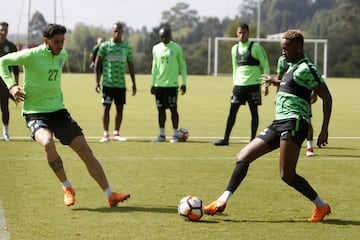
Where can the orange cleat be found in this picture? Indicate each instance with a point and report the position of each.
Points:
(320, 213)
(215, 207)
(69, 196)
(115, 198)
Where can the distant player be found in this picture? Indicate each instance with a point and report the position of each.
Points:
(6, 47)
(113, 57)
(249, 61)
(168, 61)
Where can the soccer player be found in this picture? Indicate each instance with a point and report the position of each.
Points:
(249, 61)
(111, 61)
(289, 129)
(44, 111)
(168, 61)
(282, 67)
(6, 47)
(95, 50)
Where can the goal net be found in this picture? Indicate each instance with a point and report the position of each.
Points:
(315, 48)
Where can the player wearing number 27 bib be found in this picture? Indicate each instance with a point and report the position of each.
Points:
(44, 111)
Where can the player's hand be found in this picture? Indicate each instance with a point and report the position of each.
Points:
(322, 140)
(98, 88)
(17, 93)
(153, 90)
(182, 89)
(265, 91)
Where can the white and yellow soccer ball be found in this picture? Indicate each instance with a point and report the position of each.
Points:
(182, 134)
(191, 208)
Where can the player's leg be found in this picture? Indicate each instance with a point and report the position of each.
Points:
(120, 100)
(80, 146)
(309, 142)
(4, 104)
(161, 105)
(289, 153)
(234, 108)
(256, 148)
(254, 119)
(106, 100)
(45, 138)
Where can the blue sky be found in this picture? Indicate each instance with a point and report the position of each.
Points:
(135, 13)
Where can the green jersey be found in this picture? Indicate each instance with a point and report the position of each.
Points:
(115, 57)
(249, 74)
(42, 78)
(293, 97)
(168, 62)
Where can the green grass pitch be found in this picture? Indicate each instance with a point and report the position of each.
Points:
(158, 175)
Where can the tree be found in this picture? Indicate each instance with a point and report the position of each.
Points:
(36, 27)
(180, 16)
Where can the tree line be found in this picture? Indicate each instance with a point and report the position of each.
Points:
(335, 20)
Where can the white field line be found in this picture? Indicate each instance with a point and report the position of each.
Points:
(4, 232)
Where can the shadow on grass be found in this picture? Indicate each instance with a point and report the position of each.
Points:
(329, 221)
(120, 208)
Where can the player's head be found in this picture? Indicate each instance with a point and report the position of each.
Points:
(165, 34)
(3, 31)
(292, 44)
(54, 37)
(242, 32)
(117, 32)
(100, 40)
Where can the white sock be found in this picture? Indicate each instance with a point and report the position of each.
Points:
(225, 196)
(108, 192)
(106, 133)
(66, 184)
(309, 144)
(162, 131)
(116, 132)
(319, 203)
(5, 129)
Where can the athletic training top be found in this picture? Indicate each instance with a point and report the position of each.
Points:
(168, 62)
(115, 57)
(9, 47)
(42, 78)
(249, 74)
(292, 99)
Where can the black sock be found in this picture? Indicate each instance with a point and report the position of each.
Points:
(302, 186)
(238, 175)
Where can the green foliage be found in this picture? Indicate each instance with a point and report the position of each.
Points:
(317, 19)
(159, 175)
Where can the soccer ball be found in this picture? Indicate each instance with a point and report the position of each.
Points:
(182, 134)
(191, 208)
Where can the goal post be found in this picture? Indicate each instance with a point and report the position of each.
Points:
(312, 46)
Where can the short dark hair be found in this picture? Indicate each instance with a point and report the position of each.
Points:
(53, 29)
(165, 31)
(294, 36)
(245, 26)
(119, 24)
(4, 24)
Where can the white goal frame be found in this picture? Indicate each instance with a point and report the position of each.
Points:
(316, 43)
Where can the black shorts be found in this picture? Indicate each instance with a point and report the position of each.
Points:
(242, 94)
(166, 97)
(117, 94)
(59, 123)
(296, 129)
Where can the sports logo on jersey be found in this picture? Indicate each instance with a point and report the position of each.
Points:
(61, 62)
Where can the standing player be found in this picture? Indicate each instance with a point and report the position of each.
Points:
(113, 57)
(168, 62)
(6, 47)
(249, 61)
(44, 110)
(289, 129)
(95, 50)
